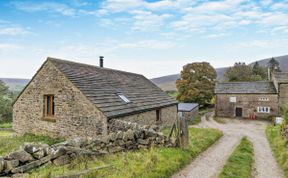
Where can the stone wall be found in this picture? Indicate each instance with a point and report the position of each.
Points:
(168, 117)
(283, 95)
(127, 136)
(74, 114)
(249, 103)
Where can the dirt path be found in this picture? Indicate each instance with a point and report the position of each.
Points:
(210, 163)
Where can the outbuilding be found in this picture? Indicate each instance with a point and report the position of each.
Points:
(188, 110)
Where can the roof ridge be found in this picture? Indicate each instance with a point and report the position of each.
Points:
(245, 82)
(90, 65)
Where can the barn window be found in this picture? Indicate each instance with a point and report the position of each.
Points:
(123, 97)
(232, 99)
(49, 105)
(158, 115)
(262, 109)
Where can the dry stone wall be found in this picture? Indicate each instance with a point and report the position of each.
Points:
(122, 136)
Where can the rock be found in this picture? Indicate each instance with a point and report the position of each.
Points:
(129, 135)
(2, 163)
(20, 155)
(62, 160)
(58, 151)
(143, 142)
(10, 164)
(39, 154)
(77, 142)
(30, 148)
(115, 149)
(20, 175)
(31, 165)
(112, 136)
(119, 135)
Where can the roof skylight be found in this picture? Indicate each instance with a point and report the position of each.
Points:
(124, 98)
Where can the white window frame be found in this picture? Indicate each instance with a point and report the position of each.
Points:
(263, 109)
(263, 98)
(233, 99)
(124, 98)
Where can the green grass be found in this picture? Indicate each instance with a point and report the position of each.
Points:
(9, 143)
(152, 163)
(239, 164)
(278, 145)
(195, 120)
(5, 125)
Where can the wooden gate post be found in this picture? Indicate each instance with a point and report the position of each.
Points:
(184, 133)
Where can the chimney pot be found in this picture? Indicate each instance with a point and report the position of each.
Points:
(101, 61)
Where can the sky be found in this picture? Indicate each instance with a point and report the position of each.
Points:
(150, 37)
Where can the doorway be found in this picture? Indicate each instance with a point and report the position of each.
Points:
(238, 112)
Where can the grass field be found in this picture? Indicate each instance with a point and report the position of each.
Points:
(153, 163)
(9, 143)
(279, 146)
(240, 161)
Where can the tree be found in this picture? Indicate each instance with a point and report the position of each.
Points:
(239, 72)
(197, 83)
(273, 65)
(259, 72)
(6, 98)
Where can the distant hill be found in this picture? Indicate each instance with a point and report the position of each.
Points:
(167, 83)
(15, 84)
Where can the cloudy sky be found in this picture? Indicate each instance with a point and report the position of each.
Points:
(151, 37)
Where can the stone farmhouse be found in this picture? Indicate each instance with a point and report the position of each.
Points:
(69, 99)
(252, 99)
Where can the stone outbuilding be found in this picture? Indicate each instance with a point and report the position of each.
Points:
(69, 99)
(188, 110)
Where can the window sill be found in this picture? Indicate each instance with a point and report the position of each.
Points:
(48, 119)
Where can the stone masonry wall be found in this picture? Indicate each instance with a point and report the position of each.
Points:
(74, 114)
(283, 95)
(249, 103)
(168, 117)
(127, 136)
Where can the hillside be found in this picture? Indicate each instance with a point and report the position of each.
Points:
(15, 84)
(167, 83)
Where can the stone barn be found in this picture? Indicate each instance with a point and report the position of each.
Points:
(69, 99)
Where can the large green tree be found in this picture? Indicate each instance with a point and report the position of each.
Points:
(241, 72)
(197, 83)
(6, 99)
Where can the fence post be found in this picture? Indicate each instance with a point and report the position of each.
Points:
(184, 133)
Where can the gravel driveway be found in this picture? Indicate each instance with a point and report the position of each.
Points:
(210, 163)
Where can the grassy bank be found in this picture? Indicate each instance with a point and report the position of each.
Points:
(240, 162)
(278, 145)
(5, 125)
(156, 162)
(8, 144)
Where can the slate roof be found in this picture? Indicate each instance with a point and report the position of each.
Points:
(245, 88)
(102, 86)
(186, 107)
(281, 77)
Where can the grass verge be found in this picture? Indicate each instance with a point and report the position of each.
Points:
(9, 144)
(195, 120)
(5, 125)
(240, 162)
(278, 145)
(152, 163)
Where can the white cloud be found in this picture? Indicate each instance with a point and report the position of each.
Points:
(13, 31)
(46, 6)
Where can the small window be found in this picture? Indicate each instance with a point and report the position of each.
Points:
(262, 109)
(232, 99)
(49, 106)
(124, 98)
(158, 115)
(263, 99)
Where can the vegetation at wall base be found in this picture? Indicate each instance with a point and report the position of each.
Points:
(6, 125)
(239, 164)
(9, 144)
(152, 163)
(278, 145)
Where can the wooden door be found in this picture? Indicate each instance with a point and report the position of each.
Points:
(238, 112)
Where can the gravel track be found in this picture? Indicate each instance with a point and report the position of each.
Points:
(210, 163)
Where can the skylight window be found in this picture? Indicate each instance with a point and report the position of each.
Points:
(124, 98)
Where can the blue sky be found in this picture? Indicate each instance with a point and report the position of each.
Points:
(151, 37)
